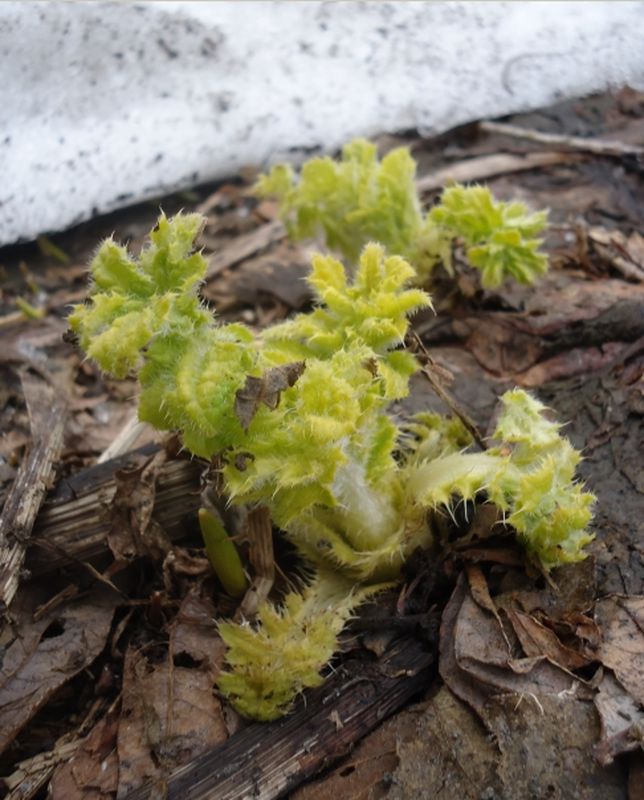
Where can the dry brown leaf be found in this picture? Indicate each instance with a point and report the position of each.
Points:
(92, 771)
(622, 720)
(621, 619)
(577, 361)
(194, 634)
(626, 254)
(48, 653)
(512, 343)
(481, 594)
(133, 531)
(170, 714)
(475, 661)
(494, 555)
(266, 389)
(538, 640)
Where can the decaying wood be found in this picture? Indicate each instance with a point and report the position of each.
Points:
(47, 407)
(266, 761)
(601, 147)
(74, 521)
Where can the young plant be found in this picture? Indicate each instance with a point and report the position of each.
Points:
(299, 416)
(359, 199)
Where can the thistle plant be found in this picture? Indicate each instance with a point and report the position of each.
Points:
(298, 415)
(359, 199)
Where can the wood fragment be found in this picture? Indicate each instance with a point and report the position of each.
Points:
(482, 167)
(262, 561)
(602, 147)
(124, 440)
(265, 761)
(73, 524)
(47, 407)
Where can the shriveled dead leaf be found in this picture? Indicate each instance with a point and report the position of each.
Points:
(476, 661)
(622, 720)
(170, 714)
(92, 771)
(538, 640)
(481, 594)
(621, 619)
(46, 654)
(133, 531)
(266, 389)
(572, 590)
(625, 253)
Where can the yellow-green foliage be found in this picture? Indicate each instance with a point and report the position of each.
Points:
(359, 199)
(529, 476)
(286, 650)
(501, 239)
(312, 439)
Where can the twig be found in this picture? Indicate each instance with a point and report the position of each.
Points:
(47, 407)
(602, 147)
(444, 395)
(12, 318)
(477, 169)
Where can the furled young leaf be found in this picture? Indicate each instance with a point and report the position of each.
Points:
(529, 476)
(284, 653)
(132, 301)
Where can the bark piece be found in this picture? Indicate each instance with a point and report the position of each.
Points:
(73, 523)
(47, 407)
